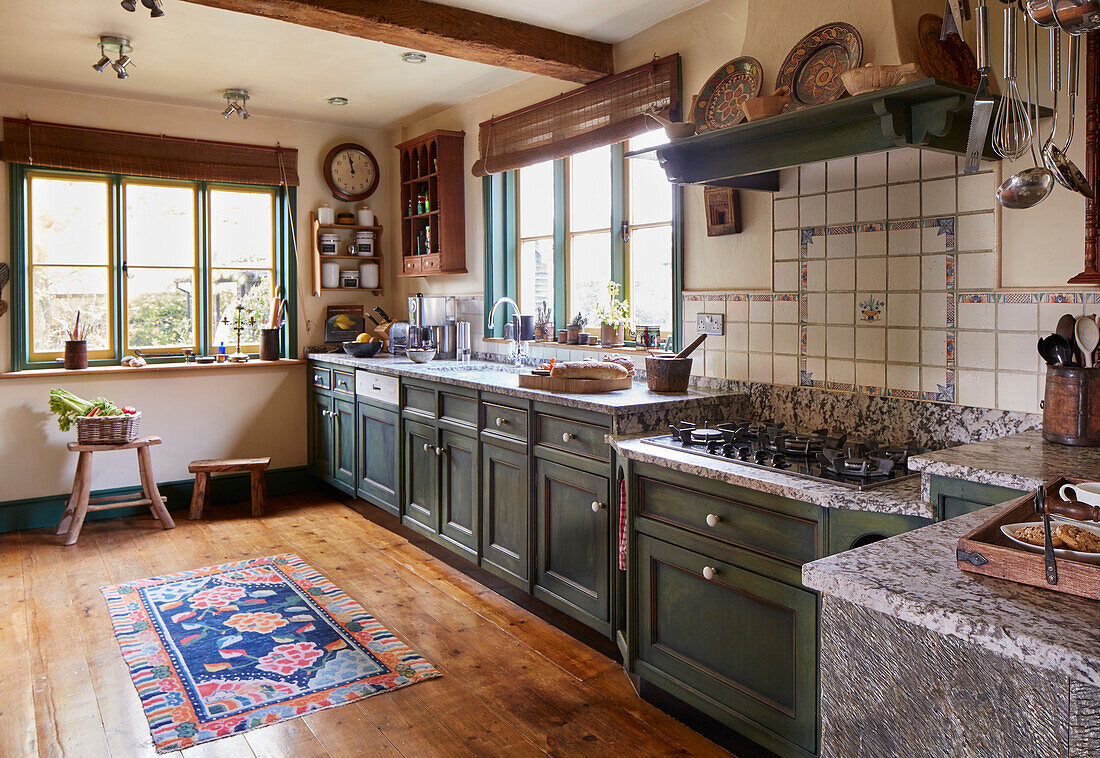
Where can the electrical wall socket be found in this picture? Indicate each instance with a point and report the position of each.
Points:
(710, 323)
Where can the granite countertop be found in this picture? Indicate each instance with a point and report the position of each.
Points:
(502, 378)
(913, 577)
(903, 497)
(1019, 461)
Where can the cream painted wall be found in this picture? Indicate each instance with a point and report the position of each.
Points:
(255, 412)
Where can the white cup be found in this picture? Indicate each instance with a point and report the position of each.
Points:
(1085, 492)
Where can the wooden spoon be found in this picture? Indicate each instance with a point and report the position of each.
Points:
(1088, 338)
(1066, 329)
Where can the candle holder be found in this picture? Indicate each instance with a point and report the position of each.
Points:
(238, 326)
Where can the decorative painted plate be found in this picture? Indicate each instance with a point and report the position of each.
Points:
(718, 104)
(949, 60)
(813, 67)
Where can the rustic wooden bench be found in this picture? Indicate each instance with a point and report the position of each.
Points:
(202, 470)
(80, 502)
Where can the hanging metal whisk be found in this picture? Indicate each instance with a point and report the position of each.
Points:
(1012, 122)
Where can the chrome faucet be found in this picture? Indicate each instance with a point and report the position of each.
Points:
(517, 351)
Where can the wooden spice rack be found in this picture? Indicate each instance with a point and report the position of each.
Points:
(319, 257)
(431, 165)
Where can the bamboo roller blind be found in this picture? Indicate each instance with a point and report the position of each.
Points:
(38, 143)
(601, 113)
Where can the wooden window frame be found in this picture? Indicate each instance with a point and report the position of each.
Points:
(284, 264)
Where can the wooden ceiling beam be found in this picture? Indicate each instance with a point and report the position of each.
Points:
(443, 30)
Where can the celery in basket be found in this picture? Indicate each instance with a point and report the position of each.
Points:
(68, 406)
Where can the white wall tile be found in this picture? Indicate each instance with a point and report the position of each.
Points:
(976, 350)
(840, 207)
(786, 245)
(737, 310)
(975, 232)
(815, 341)
(785, 370)
(976, 315)
(903, 377)
(933, 310)
(902, 309)
(977, 388)
(903, 200)
(812, 177)
(737, 337)
(935, 164)
(938, 197)
(871, 274)
(815, 308)
(870, 344)
(691, 309)
(785, 214)
(904, 165)
(871, 204)
(840, 245)
(760, 367)
(871, 170)
(870, 374)
(933, 379)
(1016, 352)
(903, 242)
(840, 341)
(1018, 392)
(871, 243)
(976, 271)
(904, 272)
(760, 337)
(785, 311)
(840, 275)
(841, 174)
(816, 368)
(788, 183)
(977, 192)
(1049, 313)
(933, 347)
(815, 276)
(840, 308)
(737, 366)
(933, 240)
(902, 345)
(760, 311)
(785, 338)
(840, 371)
(714, 364)
(1018, 317)
(811, 211)
(785, 277)
(933, 272)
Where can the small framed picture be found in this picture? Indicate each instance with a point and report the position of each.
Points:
(723, 206)
(349, 279)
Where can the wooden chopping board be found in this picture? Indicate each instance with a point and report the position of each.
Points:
(573, 386)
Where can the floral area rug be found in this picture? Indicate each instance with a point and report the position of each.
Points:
(221, 650)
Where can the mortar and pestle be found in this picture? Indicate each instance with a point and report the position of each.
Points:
(671, 374)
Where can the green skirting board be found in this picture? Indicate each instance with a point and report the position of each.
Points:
(35, 512)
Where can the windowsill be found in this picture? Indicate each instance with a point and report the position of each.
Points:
(581, 348)
(154, 368)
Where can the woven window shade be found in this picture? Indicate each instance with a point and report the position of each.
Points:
(602, 113)
(38, 143)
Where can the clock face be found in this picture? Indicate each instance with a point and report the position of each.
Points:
(351, 172)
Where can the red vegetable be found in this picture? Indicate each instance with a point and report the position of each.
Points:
(129, 410)
(93, 412)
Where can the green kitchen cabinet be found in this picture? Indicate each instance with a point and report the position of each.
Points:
(572, 542)
(378, 433)
(852, 529)
(458, 512)
(322, 435)
(953, 497)
(343, 455)
(738, 645)
(505, 512)
(421, 507)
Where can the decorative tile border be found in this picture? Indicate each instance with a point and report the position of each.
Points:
(1025, 298)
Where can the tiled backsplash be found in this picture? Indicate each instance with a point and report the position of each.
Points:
(885, 283)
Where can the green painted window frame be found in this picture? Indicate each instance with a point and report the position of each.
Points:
(285, 262)
(501, 240)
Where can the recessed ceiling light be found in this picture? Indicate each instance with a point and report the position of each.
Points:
(413, 57)
(338, 101)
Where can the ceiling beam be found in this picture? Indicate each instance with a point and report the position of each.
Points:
(443, 30)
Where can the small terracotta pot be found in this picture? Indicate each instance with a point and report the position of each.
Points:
(563, 336)
(571, 333)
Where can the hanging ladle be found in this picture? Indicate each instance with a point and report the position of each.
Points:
(1055, 158)
(1028, 188)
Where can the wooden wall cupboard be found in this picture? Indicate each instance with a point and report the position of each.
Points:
(433, 212)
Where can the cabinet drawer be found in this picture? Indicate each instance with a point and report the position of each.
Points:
(343, 382)
(320, 377)
(377, 388)
(429, 263)
(420, 399)
(505, 421)
(741, 645)
(458, 408)
(412, 265)
(572, 436)
(788, 538)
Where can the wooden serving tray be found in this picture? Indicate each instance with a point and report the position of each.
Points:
(574, 386)
(987, 551)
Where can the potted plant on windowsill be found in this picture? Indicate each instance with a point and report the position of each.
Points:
(573, 328)
(613, 317)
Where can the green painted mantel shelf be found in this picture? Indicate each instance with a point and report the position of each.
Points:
(926, 114)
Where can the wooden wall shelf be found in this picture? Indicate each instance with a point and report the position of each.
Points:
(432, 165)
(925, 114)
(318, 257)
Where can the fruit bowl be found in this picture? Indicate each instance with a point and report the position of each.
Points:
(362, 349)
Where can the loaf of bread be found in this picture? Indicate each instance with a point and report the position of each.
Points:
(588, 370)
(622, 360)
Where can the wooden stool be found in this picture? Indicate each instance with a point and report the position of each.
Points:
(202, 470)
(79, 503)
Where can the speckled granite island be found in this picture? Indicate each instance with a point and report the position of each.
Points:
(918, 658)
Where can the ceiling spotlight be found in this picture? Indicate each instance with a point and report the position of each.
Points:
(235, 100)
(114, 44)
(129, 5)
(155, 11)
(412, 57)
(338, 101)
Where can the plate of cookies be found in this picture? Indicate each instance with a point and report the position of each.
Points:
(1073, 542)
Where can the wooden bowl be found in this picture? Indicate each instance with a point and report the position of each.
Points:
(668, 374)
(679, 130)
(765, 106)
(871, 78)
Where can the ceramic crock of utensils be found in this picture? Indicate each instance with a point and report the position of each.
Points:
(1087, 334)
(1071, 406)
(76, 354)
(671, 374)
(983, 100)
(1012, 122)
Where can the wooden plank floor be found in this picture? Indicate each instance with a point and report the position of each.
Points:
(513, 684)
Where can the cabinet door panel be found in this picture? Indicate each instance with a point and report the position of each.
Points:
(458, 494)
(740, 639)
(421, 476)
(343, 458)
(379, 463)
(505, 513)
(321, 437)
(572, 539)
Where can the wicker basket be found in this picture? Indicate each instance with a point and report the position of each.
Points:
(107, 430)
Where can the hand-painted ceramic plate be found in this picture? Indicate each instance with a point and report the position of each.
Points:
(949, 60)
(812, 69)
(1009, 530)
(719, 102)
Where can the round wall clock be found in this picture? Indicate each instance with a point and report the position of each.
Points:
(351, 172)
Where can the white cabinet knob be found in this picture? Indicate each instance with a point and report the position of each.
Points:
(566, 437)
(709, 573)
(500, 421)
(439, 451)
(712, 520)
(427, 448)
(597, 506)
